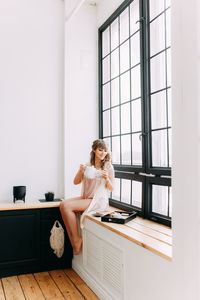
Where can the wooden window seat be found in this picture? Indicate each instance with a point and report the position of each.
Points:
(148, 234)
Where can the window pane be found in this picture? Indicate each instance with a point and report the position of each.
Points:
(169, 67)
(157, 35)
(115, 63)
(169, 107)
(136, 149)
(134, 16)
(126, 191)
(170, 147)
(125, 87)
(106, 69)
(159, 148)
(160, 199)
(116, 150)
(136, 115)
(106, 96)
(125, 118)
(168, 28)
(115, 121)
(106, 123)
(126, 149)
(170, 201)
(158, 77)
(124, 25)
(116, 191)
(137, 193)
(106, 42)
(135, 83)
(114, 34)
(124, 57)
(135, 49)
(115, 92)
(107, 141)
(158, 110)
(156, 7)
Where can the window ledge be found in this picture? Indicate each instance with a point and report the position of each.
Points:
(145, 233)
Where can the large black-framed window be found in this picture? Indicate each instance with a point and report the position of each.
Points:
(135, 105)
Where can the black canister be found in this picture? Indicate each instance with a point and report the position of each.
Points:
(19, 193)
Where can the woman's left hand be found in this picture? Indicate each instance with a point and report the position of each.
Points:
(105, 175)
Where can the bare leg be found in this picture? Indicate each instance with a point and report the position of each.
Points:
(68, 208)
(63, 207)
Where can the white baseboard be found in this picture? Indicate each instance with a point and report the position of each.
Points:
(91, 282)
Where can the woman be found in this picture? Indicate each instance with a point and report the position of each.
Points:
(94, 194)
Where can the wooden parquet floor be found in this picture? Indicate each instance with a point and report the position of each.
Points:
(52, 285)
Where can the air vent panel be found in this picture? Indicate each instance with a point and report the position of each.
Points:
(104, 262)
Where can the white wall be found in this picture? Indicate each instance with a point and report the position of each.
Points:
(105, 9)
(185, 115)
(31, 96)
(81, 102)
(147, 276)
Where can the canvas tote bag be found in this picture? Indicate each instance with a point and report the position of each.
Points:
(57, 239)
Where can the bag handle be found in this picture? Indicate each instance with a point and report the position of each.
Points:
(57, 224)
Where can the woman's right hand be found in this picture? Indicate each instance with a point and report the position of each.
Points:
(82, 168)
(79, 176)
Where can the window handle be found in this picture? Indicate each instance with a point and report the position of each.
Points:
(142, 134)
(140, 20)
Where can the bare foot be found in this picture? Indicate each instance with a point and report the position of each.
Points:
(77, 246)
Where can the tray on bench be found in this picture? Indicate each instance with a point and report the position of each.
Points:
(120, 217)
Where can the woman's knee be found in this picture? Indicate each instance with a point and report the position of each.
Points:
(65, 205)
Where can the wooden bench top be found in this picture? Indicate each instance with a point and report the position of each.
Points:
(27, 205)
(150, 235)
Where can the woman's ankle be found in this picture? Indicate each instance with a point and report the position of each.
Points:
(77, 246)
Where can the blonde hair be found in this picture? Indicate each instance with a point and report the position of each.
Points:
(100, 144)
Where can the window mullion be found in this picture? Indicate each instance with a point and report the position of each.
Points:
(145, 39)
(145, 83)
(129, 17)
(110, 90)
(120, 123)
(100, 85)
(144, 76)
(166, 89)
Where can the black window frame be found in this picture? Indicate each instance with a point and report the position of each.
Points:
(146, 174)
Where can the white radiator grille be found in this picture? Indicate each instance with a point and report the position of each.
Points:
(112, 267)
(104, 262)
(92, 251)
